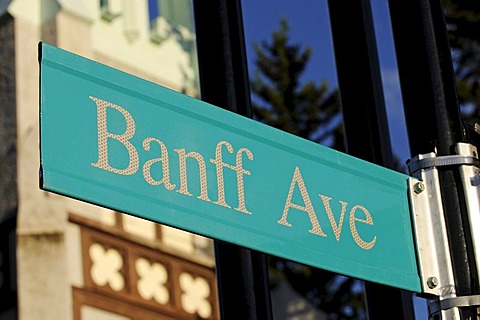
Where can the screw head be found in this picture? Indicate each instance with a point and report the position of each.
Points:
(432, 282)
(418, 187)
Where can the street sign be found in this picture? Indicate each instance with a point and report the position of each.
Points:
(121, 142)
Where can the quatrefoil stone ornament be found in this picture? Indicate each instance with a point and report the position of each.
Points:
(106, 266)
(152, 281)
(195, 297)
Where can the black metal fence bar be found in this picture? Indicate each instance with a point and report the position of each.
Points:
(242, 276)
(365, 120)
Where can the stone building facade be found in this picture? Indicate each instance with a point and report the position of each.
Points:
(65, 259)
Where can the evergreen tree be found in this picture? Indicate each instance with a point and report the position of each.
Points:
(308, 110)
(463, 24)
(312, 112)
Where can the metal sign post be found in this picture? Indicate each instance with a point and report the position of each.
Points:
(435, 129)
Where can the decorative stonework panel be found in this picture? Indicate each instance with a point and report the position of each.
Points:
(142, 278)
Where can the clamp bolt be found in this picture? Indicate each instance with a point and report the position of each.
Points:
(432, 282)
(418, 187)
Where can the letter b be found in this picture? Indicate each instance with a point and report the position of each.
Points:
(104, 135)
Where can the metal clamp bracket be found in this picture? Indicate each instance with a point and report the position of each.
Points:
(452, 160)
(463, 301)
(433, 252)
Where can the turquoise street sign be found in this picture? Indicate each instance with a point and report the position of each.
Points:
(121, 142)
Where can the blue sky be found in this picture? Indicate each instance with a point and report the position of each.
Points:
(310, 26)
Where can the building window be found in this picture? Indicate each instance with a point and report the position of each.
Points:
(169, 17)
(106, 11)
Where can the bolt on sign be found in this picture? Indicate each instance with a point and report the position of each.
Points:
(121, 142)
